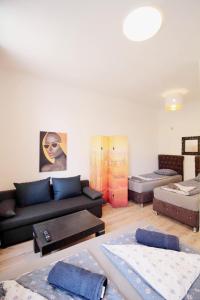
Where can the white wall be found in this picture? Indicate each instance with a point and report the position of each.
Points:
(175, 125)
(28, 105)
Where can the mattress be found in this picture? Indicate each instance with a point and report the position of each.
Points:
(147, 186)
(187, 202)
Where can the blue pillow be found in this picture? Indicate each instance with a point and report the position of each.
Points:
(91, 193)
(66, 187)
(157, 239)
(30, 193)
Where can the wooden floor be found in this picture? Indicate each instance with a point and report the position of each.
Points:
(12, 258)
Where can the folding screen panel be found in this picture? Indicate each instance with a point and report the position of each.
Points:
(109, 168)
(99, 165)
(118, 171)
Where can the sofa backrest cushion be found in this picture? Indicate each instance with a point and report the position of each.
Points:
(30, 193)
(11, 194)
(66, 187)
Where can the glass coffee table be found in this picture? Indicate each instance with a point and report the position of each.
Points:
(66, 230)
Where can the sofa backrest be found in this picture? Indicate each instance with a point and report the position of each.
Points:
(11, 194)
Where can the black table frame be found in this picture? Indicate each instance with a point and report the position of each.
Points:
(96, 227)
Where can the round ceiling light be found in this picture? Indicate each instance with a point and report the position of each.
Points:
(142, 23)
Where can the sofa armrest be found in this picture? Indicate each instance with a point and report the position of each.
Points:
(7, 208)
(9, 194)
(91, 193)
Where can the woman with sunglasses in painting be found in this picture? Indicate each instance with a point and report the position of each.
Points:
(52, 147)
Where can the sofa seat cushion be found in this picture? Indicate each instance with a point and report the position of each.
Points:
(44, 211)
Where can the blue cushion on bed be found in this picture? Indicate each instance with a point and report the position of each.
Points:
(166, 172)
(77, 281)
(157, 239)
(66, 187)
(29, 193)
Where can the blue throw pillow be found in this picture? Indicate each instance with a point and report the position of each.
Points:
(91, 193)
(66, 187)
(30, 193)
(157, 239)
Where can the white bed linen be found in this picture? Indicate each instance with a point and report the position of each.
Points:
(170, 273)
(182, 190)
(150, 178)
(175, 191)
(185, 188)
(149, 185)
(15, 291)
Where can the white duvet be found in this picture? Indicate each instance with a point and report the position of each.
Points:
(170, 273)
(175, 191)
(182, 189)
(149, 178)
(13, 290)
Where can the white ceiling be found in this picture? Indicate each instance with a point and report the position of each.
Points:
(81, 43)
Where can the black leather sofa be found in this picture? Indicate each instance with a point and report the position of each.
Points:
(19, 228)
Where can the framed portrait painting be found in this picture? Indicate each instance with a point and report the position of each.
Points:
(53, 151)
(191, 145)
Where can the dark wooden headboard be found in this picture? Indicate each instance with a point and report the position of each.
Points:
(197, 165)
(174, 162)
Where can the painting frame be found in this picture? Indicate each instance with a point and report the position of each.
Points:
(52, 151)
(191, 145)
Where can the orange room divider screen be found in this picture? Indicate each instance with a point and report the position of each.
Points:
(99, 165)
(109, 168)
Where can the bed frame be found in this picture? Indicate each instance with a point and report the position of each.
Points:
(185, 216)
(197, 165)
(174, 162)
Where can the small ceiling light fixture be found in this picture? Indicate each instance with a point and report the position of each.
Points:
(142, 24)
(174, 98)
(174, 103)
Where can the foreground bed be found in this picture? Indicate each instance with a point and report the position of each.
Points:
(179, 207)
(142, 191)
(126, 283)
(94, 247)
